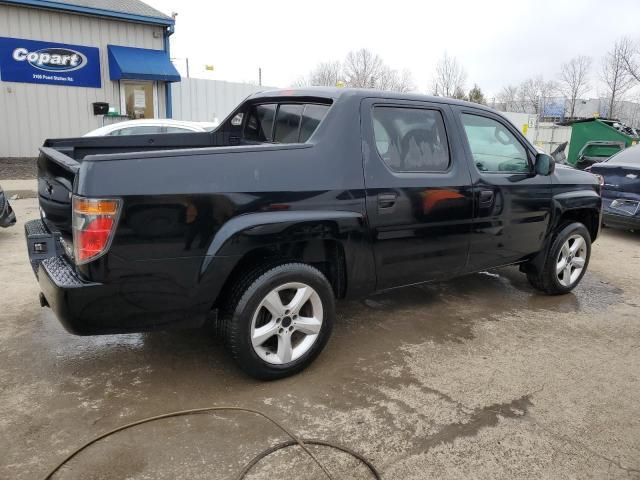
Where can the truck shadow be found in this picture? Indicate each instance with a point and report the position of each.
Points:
(439, 312)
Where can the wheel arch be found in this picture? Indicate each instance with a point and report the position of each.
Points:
(333, 241)
(583, 206)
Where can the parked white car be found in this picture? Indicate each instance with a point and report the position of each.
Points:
(151, 126)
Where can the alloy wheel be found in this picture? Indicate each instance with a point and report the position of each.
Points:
(286, 323)
(571, 260)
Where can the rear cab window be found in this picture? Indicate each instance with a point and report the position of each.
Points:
(286, 122)
(410, 139)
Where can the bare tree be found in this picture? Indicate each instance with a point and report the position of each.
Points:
(508, 96)
(616, 74)
(393, 80)
(326, 74)
(534, 91)
(630, 59)
(449, 76)
(363, 69)
(574, 80)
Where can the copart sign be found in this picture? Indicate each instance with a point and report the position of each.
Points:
(32, 61)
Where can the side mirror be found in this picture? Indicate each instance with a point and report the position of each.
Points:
(545, 164)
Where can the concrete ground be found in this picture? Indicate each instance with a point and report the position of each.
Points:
(480, 377)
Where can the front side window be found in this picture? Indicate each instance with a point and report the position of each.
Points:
(411, 139)
(494, 148)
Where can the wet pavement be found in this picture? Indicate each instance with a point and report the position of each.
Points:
(480, 377)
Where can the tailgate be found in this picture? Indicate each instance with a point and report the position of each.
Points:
(56, 174)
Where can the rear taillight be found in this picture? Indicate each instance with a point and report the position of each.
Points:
(94, 223)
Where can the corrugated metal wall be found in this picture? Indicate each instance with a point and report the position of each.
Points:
(202, 100)
(29, 113)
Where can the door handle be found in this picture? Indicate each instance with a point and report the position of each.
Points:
(386, 201)
(486, 198)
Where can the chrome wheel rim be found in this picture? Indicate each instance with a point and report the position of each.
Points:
(571, 260)
(287, 323)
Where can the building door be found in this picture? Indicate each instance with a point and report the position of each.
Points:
(139, 99)
(418, 192)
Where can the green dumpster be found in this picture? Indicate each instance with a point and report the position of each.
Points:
(595, 139)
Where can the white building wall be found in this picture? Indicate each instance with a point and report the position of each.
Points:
(30, 113)
(202, 100)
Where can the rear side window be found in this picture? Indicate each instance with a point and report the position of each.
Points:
(411, 139)
(311, 118)
(288, 124)
(259, 124)
(628, 156)
(283, 123)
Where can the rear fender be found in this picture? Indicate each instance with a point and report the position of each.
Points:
(245, 233)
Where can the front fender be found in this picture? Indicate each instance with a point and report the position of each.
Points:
(562, 204)
(576, 199)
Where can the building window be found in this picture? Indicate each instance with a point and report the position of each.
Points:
(139, 99)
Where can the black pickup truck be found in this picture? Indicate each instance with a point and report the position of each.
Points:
(299, 198)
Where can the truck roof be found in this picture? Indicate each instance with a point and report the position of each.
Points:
(336, 93)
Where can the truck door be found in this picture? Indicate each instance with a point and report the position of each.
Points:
(418, 191)
(512, 203)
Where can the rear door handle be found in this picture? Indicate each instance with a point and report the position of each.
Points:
(386, 202)
(486, 198)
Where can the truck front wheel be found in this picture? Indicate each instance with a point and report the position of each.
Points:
(566, 261)
(277, 322)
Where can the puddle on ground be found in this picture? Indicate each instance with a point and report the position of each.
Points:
(447, 311)
(440, 312)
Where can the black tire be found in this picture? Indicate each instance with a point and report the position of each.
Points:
(546, 280)
(246, 297)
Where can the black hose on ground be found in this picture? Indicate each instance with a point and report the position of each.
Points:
(291, 443)
(295, 440)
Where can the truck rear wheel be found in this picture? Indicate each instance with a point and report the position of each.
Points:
(278, 321)
(566, 262)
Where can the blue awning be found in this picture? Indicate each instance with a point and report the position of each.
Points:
(127, 63)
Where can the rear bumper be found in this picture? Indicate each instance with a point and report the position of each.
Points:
(614, 217)
(89, 308)
(64, 290)
(621, 221)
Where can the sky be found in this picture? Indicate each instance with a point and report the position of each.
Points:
(498, 42)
